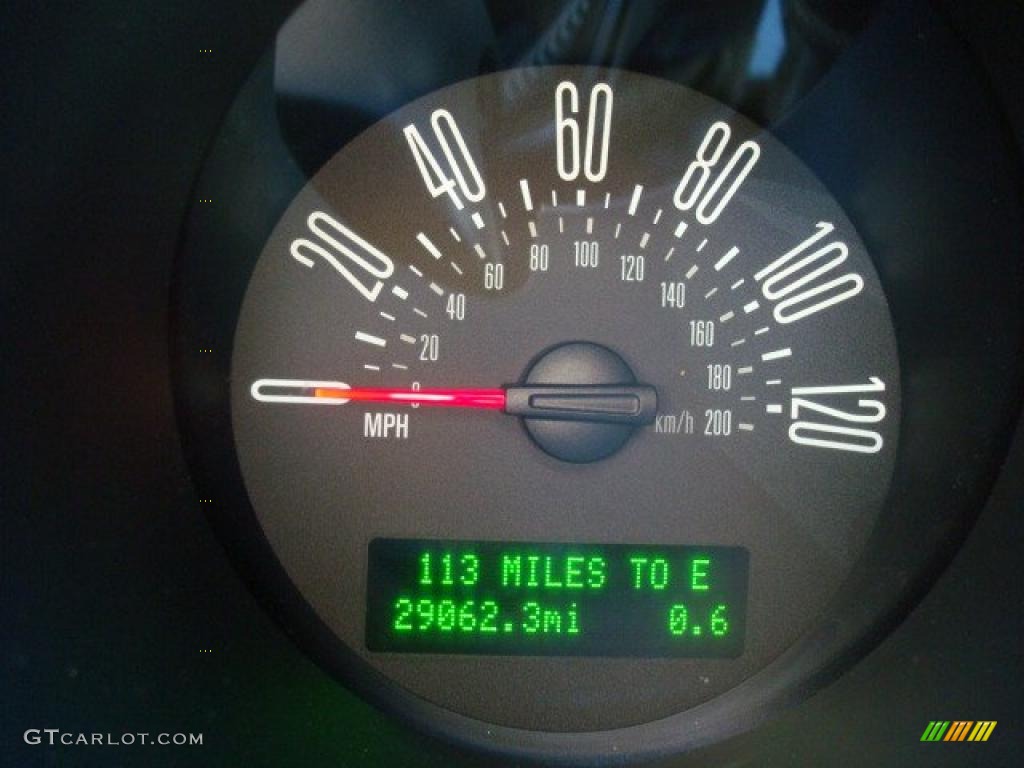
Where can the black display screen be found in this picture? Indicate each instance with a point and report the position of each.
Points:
(518, 598)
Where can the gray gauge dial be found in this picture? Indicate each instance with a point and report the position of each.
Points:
(566, 307)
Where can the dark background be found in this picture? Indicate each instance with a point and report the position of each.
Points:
(111, 580)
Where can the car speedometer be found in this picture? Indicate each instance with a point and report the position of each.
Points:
(563, 412)
(607, 378)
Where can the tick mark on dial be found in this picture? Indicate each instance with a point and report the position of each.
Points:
(524, 188)
(635, 199)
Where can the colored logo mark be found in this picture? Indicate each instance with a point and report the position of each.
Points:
(958, 730)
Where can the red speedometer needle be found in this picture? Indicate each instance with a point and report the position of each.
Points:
(634, 404)
(453, 398)
(629, 404)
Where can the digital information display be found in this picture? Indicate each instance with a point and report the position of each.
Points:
(530, 599)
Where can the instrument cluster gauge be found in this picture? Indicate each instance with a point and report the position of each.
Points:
(609, 375)
(560, 411)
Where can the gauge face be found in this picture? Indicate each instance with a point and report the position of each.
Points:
(566, 398)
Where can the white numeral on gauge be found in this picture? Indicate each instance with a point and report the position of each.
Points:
(718, 422)
(297, 391)
(430, 344)
(586, 253)
(540, 257)
(673, 295)
(462, 170)
(455, 306)
(782, 281)
(633, 268)
(567, 128)
(827, 431)
(494, 277)
(345, 252)
(702, 333)
(693, 190)
(719, 377)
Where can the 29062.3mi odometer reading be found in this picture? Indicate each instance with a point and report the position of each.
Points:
(531, 598)
(565, 326)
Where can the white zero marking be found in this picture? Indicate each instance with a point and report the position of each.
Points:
(257, 394)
